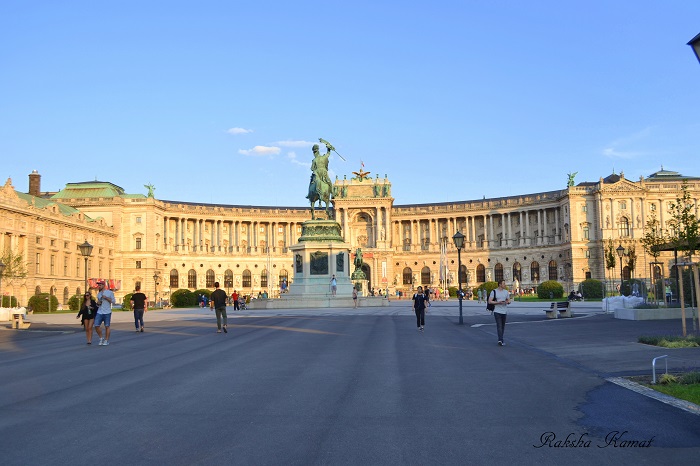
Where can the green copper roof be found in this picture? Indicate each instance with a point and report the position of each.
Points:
(89, 189)
(42, 203)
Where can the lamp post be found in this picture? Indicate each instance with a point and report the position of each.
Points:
(620, 252)
(695, 44)
(458, 239)
(86, 251)
(2, 297)
(156, 276)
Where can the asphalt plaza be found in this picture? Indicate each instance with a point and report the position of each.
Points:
(340, 387)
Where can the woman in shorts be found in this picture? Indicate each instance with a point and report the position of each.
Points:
(88, 309)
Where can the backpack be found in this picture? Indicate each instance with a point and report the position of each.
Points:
(490, 307)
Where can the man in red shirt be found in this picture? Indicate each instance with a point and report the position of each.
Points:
(234, 296)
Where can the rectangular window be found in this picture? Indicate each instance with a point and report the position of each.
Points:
(588, 254)
(65, 266)
(584, 208)
(52, 264)
(65, 244)
(586, 233)
(138, 219)
(38, 240)
(652, 207)
(77, 267)
(138, 264)
(53, 242)
(623, 205)
(138, 243)
(38, 262)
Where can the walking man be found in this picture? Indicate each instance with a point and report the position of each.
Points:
(139, 303)
(105, 299)
(501, 299)
(419, 308)
(218, 302)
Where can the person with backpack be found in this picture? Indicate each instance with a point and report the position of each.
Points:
(500, 299)
(419, 301)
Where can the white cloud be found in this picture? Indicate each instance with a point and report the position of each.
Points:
(292, 156)
(239, 131)
(260, 150)
(295, 143)
(623, 148)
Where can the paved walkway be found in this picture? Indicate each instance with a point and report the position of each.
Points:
(340, 386)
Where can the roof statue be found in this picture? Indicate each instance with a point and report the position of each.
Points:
(571, 178)
(150, 188)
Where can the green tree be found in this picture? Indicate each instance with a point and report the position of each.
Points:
(654, 237)
(74, 302)
(15, 267)
(40, 302)
(610, 255)
(683, 223)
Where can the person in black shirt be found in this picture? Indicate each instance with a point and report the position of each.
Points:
(139, 304)
(419, 301)
(218, 302)
(87, 311)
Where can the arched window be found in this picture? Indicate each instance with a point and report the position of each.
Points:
(66, 295)
(284, 276)
(517, 272)
(263, 279)
(657, 272)
(498, 272)
(552, 270)
(425, 275)
(174, 279)
(246, 278)
(192, 279)
(624, 225)
(463, 273)
(228, 279)
(535, 272)
(480, 273)
(37, 290)
(211, 278)
(407, 276)
(77, 292)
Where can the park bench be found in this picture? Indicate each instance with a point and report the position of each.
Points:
(561, 308)
(19, 320)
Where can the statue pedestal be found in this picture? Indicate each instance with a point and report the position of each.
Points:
(320, 253)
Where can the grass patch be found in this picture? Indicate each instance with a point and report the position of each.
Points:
(681, 391)
(671, 341)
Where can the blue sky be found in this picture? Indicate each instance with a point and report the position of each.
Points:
(220, 101)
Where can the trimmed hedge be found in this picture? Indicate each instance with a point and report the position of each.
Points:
(551, 289)
(592, 289)
(39, 303)
(183, 298)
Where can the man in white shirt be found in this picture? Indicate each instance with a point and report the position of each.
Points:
(105, 299)
(501, 300)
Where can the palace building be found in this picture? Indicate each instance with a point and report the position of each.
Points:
(165, 245)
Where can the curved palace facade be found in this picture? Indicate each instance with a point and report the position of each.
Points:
(165, 245)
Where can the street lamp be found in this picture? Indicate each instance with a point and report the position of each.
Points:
(156, 276)
(2, 270)
(695, 44)
(620, 252)
(86, 251)
(458, 239)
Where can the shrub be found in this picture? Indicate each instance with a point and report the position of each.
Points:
(487, 287)
(126, 303)
(550, 289)
(74, 302)
(671, 341)
(183, 298)
(452, 291)
(690, 378)
(9, 301)
(592, 289)
(40, 303)
(668, 379)
(205, 292)
(646, 306)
